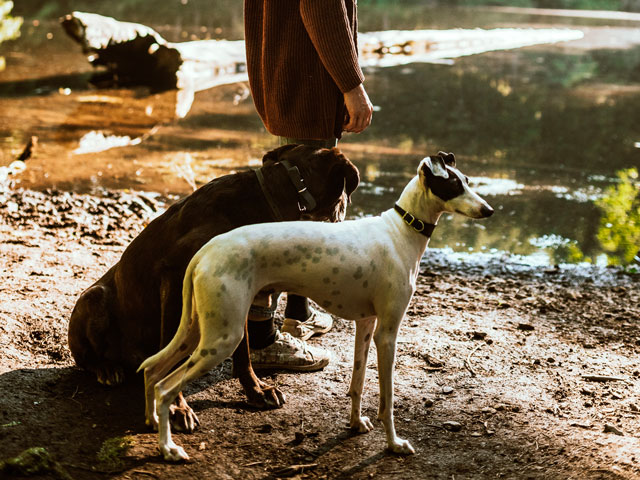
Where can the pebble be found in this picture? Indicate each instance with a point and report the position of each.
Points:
(452, 426)
(586, 391)
(478, 335)
(525, 327)
(612, 429)
(447, 390)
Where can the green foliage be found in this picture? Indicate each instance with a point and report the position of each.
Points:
(9, 26)
(112, 450)
(619, 231)
(34, 461)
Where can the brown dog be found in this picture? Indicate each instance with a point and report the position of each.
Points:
(135, 308)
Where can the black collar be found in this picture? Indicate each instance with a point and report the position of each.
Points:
(306, 202)
(418, 225)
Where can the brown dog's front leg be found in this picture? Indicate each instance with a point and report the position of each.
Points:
(259, 394)
(182, 417)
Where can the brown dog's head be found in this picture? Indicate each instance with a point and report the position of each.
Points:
(328, 175)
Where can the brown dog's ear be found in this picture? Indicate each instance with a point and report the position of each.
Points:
(275, 155)
(344, 169)
(449, 158)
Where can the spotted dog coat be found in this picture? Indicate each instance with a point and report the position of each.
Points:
(361, 270)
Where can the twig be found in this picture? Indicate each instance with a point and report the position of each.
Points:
(293, 470)
(467, 362)
(603, 378)
(144, 472)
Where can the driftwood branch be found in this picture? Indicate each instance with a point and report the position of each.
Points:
(602, 378)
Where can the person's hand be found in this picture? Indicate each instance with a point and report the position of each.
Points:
(359, 110)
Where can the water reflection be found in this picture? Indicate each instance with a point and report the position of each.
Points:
(619, 231)
(541, 130)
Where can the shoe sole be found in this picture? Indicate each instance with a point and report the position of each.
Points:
(309, 334)
(296, 368)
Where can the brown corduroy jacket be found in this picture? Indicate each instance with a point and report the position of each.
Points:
(301, 57)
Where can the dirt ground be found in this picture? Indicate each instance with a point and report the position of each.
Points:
(491, 376)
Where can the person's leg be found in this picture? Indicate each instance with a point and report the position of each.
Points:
(301, 320)
(272, 349)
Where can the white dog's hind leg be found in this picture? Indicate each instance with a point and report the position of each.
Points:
(205, 357)
(385, 338)
(364, 331)
(154, 373)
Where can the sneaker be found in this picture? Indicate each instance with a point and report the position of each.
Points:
(289, 353)
(317, 324)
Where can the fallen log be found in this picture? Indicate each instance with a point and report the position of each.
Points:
(132, 53)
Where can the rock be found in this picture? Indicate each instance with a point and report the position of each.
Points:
(452, 426)
(265, 428)
(433, 361)
(428, 403)
(526, 327)
(612, 429)
(447, 390)
(478, 335)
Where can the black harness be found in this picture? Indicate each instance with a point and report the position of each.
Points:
(306, 202)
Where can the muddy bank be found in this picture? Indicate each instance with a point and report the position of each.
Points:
(502, 370)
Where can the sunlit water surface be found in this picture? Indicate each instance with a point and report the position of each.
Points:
(542, 131)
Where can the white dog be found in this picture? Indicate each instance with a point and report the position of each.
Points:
(360, 270)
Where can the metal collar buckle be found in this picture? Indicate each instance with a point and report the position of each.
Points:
(412, 221)
(418, 225)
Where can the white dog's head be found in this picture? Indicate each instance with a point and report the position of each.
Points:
(444, 183)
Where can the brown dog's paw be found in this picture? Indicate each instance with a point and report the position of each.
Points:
(108, 374)
(183, 418)
(266, 398)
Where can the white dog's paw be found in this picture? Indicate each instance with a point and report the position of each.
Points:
(361, 424)
(402, 447)
(173, 453)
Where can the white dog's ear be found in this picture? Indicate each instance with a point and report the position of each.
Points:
(449, 158)
(435, 165)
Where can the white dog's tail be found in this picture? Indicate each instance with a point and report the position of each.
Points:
(186, 321)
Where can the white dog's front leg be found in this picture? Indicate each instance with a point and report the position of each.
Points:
(385, 339)
(364, 331)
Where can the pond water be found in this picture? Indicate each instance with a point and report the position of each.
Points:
(547, 133)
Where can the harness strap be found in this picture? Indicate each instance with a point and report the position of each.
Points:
(308, 202)
(277, 215)
(418, 225)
